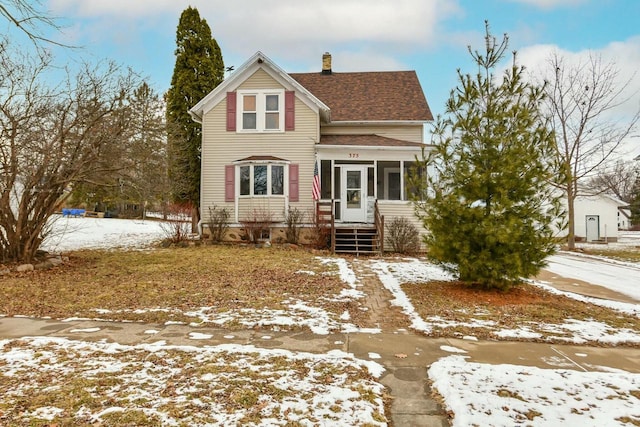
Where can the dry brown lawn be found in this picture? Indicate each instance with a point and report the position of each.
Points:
(628, 254)
(161, 285)
(164, 285)
(524, 305)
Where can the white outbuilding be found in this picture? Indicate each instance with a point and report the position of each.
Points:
(596, 217)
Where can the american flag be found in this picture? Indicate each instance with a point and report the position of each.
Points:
(316, 183)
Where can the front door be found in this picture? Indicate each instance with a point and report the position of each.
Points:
(354, 194)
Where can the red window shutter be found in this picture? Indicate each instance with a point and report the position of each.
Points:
(290, 110)
(229, 183)
(231, 111)
(294, 185)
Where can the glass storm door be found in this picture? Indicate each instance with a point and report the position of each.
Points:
(354, 194)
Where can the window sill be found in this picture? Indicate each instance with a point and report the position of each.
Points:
(252, 131)
(260, 196)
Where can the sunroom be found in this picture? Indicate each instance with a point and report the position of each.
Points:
(356, 171)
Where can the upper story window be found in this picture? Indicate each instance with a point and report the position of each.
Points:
(261, 110)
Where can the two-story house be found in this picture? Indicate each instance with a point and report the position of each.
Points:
(268, 135)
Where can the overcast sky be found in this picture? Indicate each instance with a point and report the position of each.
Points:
(429, 36)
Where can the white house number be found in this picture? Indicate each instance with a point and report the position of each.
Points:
(354, 155)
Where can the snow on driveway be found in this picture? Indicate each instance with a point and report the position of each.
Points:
(619, 277)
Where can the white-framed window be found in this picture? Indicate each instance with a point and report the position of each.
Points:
(266, 179)
(260, 110)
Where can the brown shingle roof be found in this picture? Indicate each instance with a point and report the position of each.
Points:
(369, 96)
(260, 158)
(366, 140)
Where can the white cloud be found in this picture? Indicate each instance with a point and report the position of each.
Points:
(406, 21)
(290, 29)
(624, 55)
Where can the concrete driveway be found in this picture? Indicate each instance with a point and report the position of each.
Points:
(579, 271)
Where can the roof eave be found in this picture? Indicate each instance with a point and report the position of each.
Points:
(374, 147)
(378, 122)
(194, 116)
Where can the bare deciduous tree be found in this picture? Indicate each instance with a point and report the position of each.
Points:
(581, 99)
(140, 179)
(28, 18)
(618, 180)
(52, 137)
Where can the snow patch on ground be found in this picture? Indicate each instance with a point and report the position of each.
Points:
(217, 378)
(502, 395)
(70, 233)
(84, 330)
(392, 276)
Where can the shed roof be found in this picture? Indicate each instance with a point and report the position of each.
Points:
(366, 140)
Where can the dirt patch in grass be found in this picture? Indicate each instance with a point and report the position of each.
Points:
(162, 285)
(457, 309)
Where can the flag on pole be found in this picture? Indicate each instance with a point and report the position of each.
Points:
(316, 183)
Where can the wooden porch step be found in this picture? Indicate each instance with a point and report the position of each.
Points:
(356, 240)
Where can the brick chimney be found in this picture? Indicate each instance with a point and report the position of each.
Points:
(326, 63)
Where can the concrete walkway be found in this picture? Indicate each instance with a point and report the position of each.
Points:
(405, 355)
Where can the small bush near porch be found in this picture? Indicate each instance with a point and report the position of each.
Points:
(403, 236)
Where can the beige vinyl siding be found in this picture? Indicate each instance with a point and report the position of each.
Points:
(220, 148)
(261, 208)
(259, 80)
(404, 133)
(391, 209)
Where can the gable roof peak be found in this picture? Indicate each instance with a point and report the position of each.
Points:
(257, 61)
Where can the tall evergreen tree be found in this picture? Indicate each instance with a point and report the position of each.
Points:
(635, 203)
(488, 210)
(199, 68)
(145, 182)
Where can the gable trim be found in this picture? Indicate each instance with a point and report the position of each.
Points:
(246, 70)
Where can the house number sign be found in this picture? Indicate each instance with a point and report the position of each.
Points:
(354, 155)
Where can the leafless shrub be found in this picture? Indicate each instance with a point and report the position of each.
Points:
(177, 230)
(321, 233)
(403, 236)
(293, 219)
(218, 223)
(257, 225)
